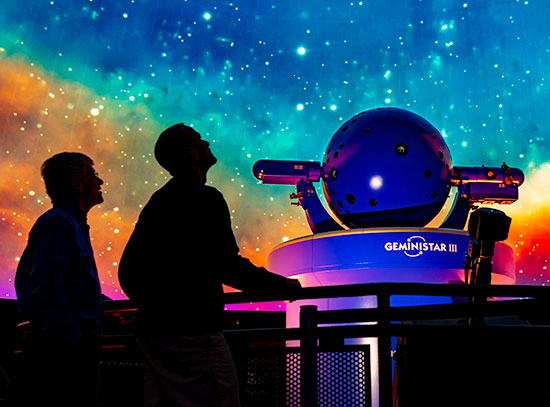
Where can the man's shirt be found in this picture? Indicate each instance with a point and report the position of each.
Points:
(181, 252)
(56, 278)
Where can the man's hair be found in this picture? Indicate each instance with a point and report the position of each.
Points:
(59, 171)
(172, 147)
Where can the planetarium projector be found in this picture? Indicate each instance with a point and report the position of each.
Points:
(389, 167)
(386, 174)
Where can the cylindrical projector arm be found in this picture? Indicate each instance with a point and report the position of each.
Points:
(488, 185)
(286, 172)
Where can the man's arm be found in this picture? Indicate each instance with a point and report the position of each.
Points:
(242, 274)
(51, 258)
(130, 275)
(136, 257)
(238, 271)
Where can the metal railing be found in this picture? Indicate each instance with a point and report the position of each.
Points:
(521, 301)
(525, 302)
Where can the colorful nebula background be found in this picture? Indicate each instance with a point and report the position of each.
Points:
(262, 79)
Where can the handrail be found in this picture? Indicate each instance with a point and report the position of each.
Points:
(384, 314)
(516, 300)
(374, 289)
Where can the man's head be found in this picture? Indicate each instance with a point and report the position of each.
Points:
(70, 177)
(180, 150)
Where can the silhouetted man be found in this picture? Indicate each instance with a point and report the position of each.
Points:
(58, 290)
(173, 267)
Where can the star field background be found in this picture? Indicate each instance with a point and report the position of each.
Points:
(262, 79)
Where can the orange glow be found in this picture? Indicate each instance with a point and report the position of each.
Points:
(42, 115)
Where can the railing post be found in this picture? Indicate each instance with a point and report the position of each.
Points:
(308, 356)
(384, 352)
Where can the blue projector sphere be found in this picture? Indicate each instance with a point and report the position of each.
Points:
(386, 167)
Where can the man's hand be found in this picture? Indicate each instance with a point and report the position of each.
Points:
(292, 286)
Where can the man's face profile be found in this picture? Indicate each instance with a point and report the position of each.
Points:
(199, 148)
(90, 187)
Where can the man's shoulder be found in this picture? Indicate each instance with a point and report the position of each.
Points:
(212, 190)
(181, 188)
(56, 217)
(54, 214)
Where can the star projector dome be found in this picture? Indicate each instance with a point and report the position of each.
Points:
(385, 167)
